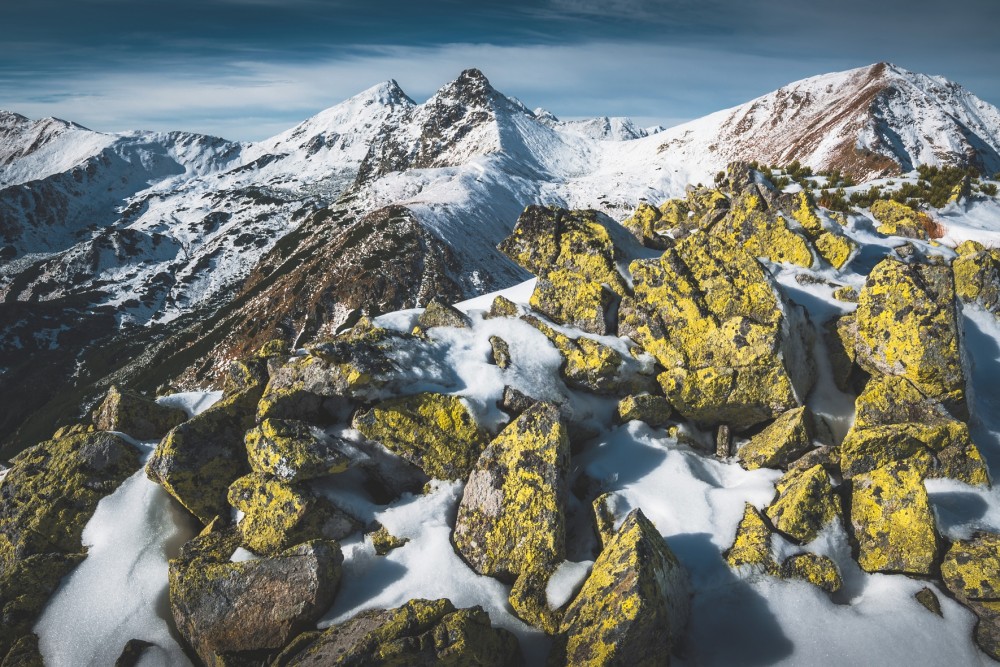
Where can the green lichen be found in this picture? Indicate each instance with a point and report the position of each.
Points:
(977, 278)
(568, 298)
(435, 432)
(763, 234)
(846, 293)
(971, 568)
(752, 544)
(139, 417)
(383, 541)
(806, 503)
(817, 570)
(783, 441)
(293, 451)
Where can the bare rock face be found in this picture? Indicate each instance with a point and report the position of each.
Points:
(224, 609)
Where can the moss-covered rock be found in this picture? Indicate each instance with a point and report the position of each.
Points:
(896, 219)
(806, 503)
(650, 408)
(827, 456)
(502, 307)
(634, 606)
(421, 633)
(568, 298)
(846, 293)
(892, 520)
(46, 499)
(817, 570)
(435, 432)
(604, 518)
(198, 460)
(501, 351)
(24, 653)
(547, 239)
(438, 314)
(294, 451)
(228, 611)
(278, 515)
(135, 415)
(971, 571)
(784, 440)
(905, 325)
(752, 544)
(734, 350)
(511, 521)
(384, 541)
(651, 227)
(977, 278)
(761, 233)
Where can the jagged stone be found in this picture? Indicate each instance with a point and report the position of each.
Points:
(435, 432)
(46, 499)
(511, 521)
(827, 456)
(751, 225)
(198, 460)
(295, 451)
(514, 401)
(135, 415)
(566, 297)
(929, 600)
(806, 503)
(547, 239)
(634, 606)
(247, 373)
(892, 520)
(783, 441)
(651, 225)
(501, 351)
(502, 307)
(838, 335)
(421, 633)
(897, 219)
(24, 653)
(752, 544)
(977, 278)
(384, 541)
(735, 351)
(971, 571)
(438, 314)
(278, 515)
(132, 652)
(649, 408)
(604, 519)
(817, 570)
(846, 293)
(833, 247)
(905, 325)
(72, 429)
(225, 609)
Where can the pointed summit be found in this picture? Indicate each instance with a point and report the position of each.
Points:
(472, 88)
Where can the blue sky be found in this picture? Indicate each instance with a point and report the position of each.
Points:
(247, 69)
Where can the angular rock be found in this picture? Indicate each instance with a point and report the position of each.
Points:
(806, 503)
(846, 293)
(501, 351)
(751, 225)
(897, 219)
(783, 441)
(511, 521)
(514, 401)
(977, 278)
(926, 597)
(384, 541)
(649, 408)
(567, 298)
(892, 521)
(225, 609)
(294, 451)
(26, 583)
(835, 248)
(435, 432)
(24, 653)
(604, 519)
(278, 515)
(752, 544)
(135, 415)
(825, 455)
(634, 606)
(502, 307)
(651, 225)
(421, 633)
(905, 326)
(819, 571)
(198, 460)
(132, 652)
(438, 314)
(971, 571)
(735, 351)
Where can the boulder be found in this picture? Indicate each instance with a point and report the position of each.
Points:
(649, 408)
(735, 351)
(24, 653)
(567, 298)
(896, 219)
(511, 520)
(278, 515)
(752, 544)
(905, 326)
(502, 307)
(136, 415)
(754, 226)
(225, 609)
(977, 278)
(501, 351)
(971, 571)
(421, 633)
(383, 541)
(784, 440)
(634, 606)
(833, 247)
(651, 226)
(294, 451)
(198, 460)
(892, 520)
(435, 432)
(806, 503)
(438, 314)
(819, 571)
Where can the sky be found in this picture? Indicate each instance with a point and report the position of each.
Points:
(249, 69)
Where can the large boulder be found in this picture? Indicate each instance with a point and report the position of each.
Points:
(225, 609)
(906, 326)
(135, 415)
(752, 224)
(435, 432)
(971, 571)
(806, 503)
(511, 521)
(784, 440)
(421, 633)
(735, 351)
(896, 219)
(294, 451)
(892, 520)
(46, 499)
(198, 460)
(634, 606)
(977, 276)
(752, 544)
(568, 298)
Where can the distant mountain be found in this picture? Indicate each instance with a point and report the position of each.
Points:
(121, 250)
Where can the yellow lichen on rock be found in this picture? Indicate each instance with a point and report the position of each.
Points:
(784, 440)
(806, 503)
(752, 544)
(763, 234)
(977, 278)
(819, 571)
(566, 297)
(293, 450)
(649, 408)
(892, 520)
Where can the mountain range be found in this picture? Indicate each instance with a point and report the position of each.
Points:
(152, 259)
